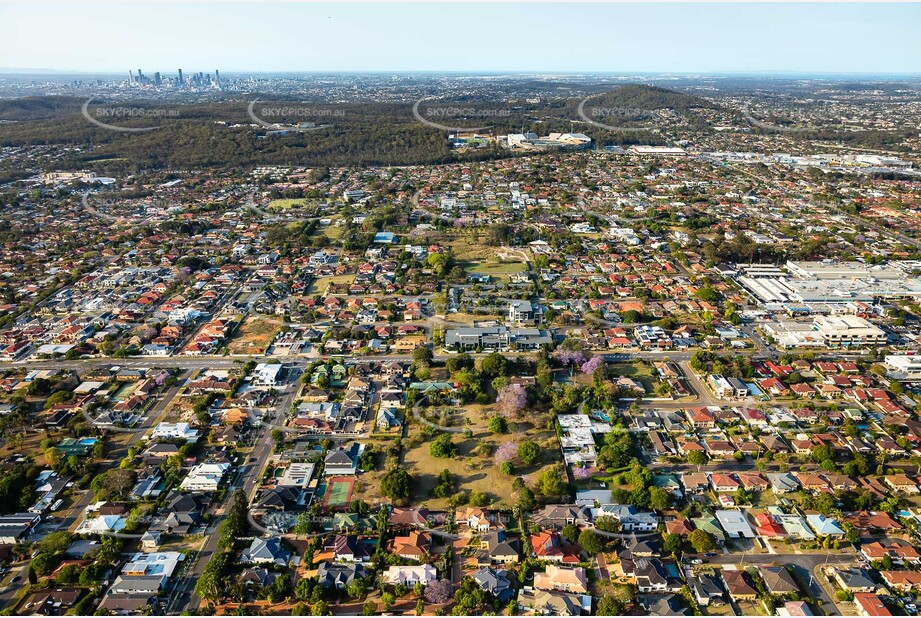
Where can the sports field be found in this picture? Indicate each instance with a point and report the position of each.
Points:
(338, 491)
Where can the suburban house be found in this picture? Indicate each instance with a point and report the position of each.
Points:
(739, 585)
(565, 579)
(343, 461)
(410, 575)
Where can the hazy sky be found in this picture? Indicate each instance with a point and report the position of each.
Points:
(462, 37)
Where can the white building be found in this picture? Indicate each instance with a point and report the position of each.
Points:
(172, 431)
(410, 575)
(522, 312)
(848, 330)
(789, 334)
(267, 374)
(661, 151)
(735, 524)
(296, 475)
(205, 477)
(153, 564)
(903, 367)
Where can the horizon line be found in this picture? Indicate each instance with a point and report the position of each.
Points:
(715, 72)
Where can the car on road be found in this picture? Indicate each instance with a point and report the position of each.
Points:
(252, 459)
(697, 561)
(16, 579)
(709, 554)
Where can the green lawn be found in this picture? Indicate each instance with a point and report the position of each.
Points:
(284, 203)
(639, 371)
(492, 267)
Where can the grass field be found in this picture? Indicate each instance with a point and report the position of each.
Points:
(639, 371)
(474, 467)
(494, 268)
(469, 318)
(285, 203)
(332, 231)
(464, 250)
(318, 286)
(253, 336)
(499, 270)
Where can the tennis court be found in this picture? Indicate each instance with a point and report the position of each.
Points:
(338, 491)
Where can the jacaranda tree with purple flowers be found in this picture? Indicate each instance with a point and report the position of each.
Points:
(592, 365)
(506, 452)
(570, 357)
(439, 591)
(512, 400)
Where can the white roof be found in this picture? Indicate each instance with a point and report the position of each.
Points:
(735, 524)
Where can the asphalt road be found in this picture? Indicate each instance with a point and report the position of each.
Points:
(804, 565)
(10, 590)
(184, 597)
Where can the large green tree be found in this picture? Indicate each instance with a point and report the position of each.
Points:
(395, 484)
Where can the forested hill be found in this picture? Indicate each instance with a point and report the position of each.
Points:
(221, 134)
(651, 98)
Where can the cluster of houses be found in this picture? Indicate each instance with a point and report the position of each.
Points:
(351, 399)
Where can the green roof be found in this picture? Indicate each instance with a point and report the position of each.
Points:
(709, 524)
(431, 386)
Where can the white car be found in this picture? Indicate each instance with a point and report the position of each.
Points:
(697, 561)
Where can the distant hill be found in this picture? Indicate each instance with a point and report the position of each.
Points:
(37, 108)
(638, 96)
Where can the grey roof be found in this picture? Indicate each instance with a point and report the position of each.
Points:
(284, 498)
(127, 602)
(500, 544)
(705, 586)
(783, 481)
(663, 605)
(80, 548)
(551, 603)
(855, 578)
(495, 581)
(145, 584)
(334, 575)
(778, 579)
(561, 514)
(346, 457)
(185, 503)
(265, 550)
